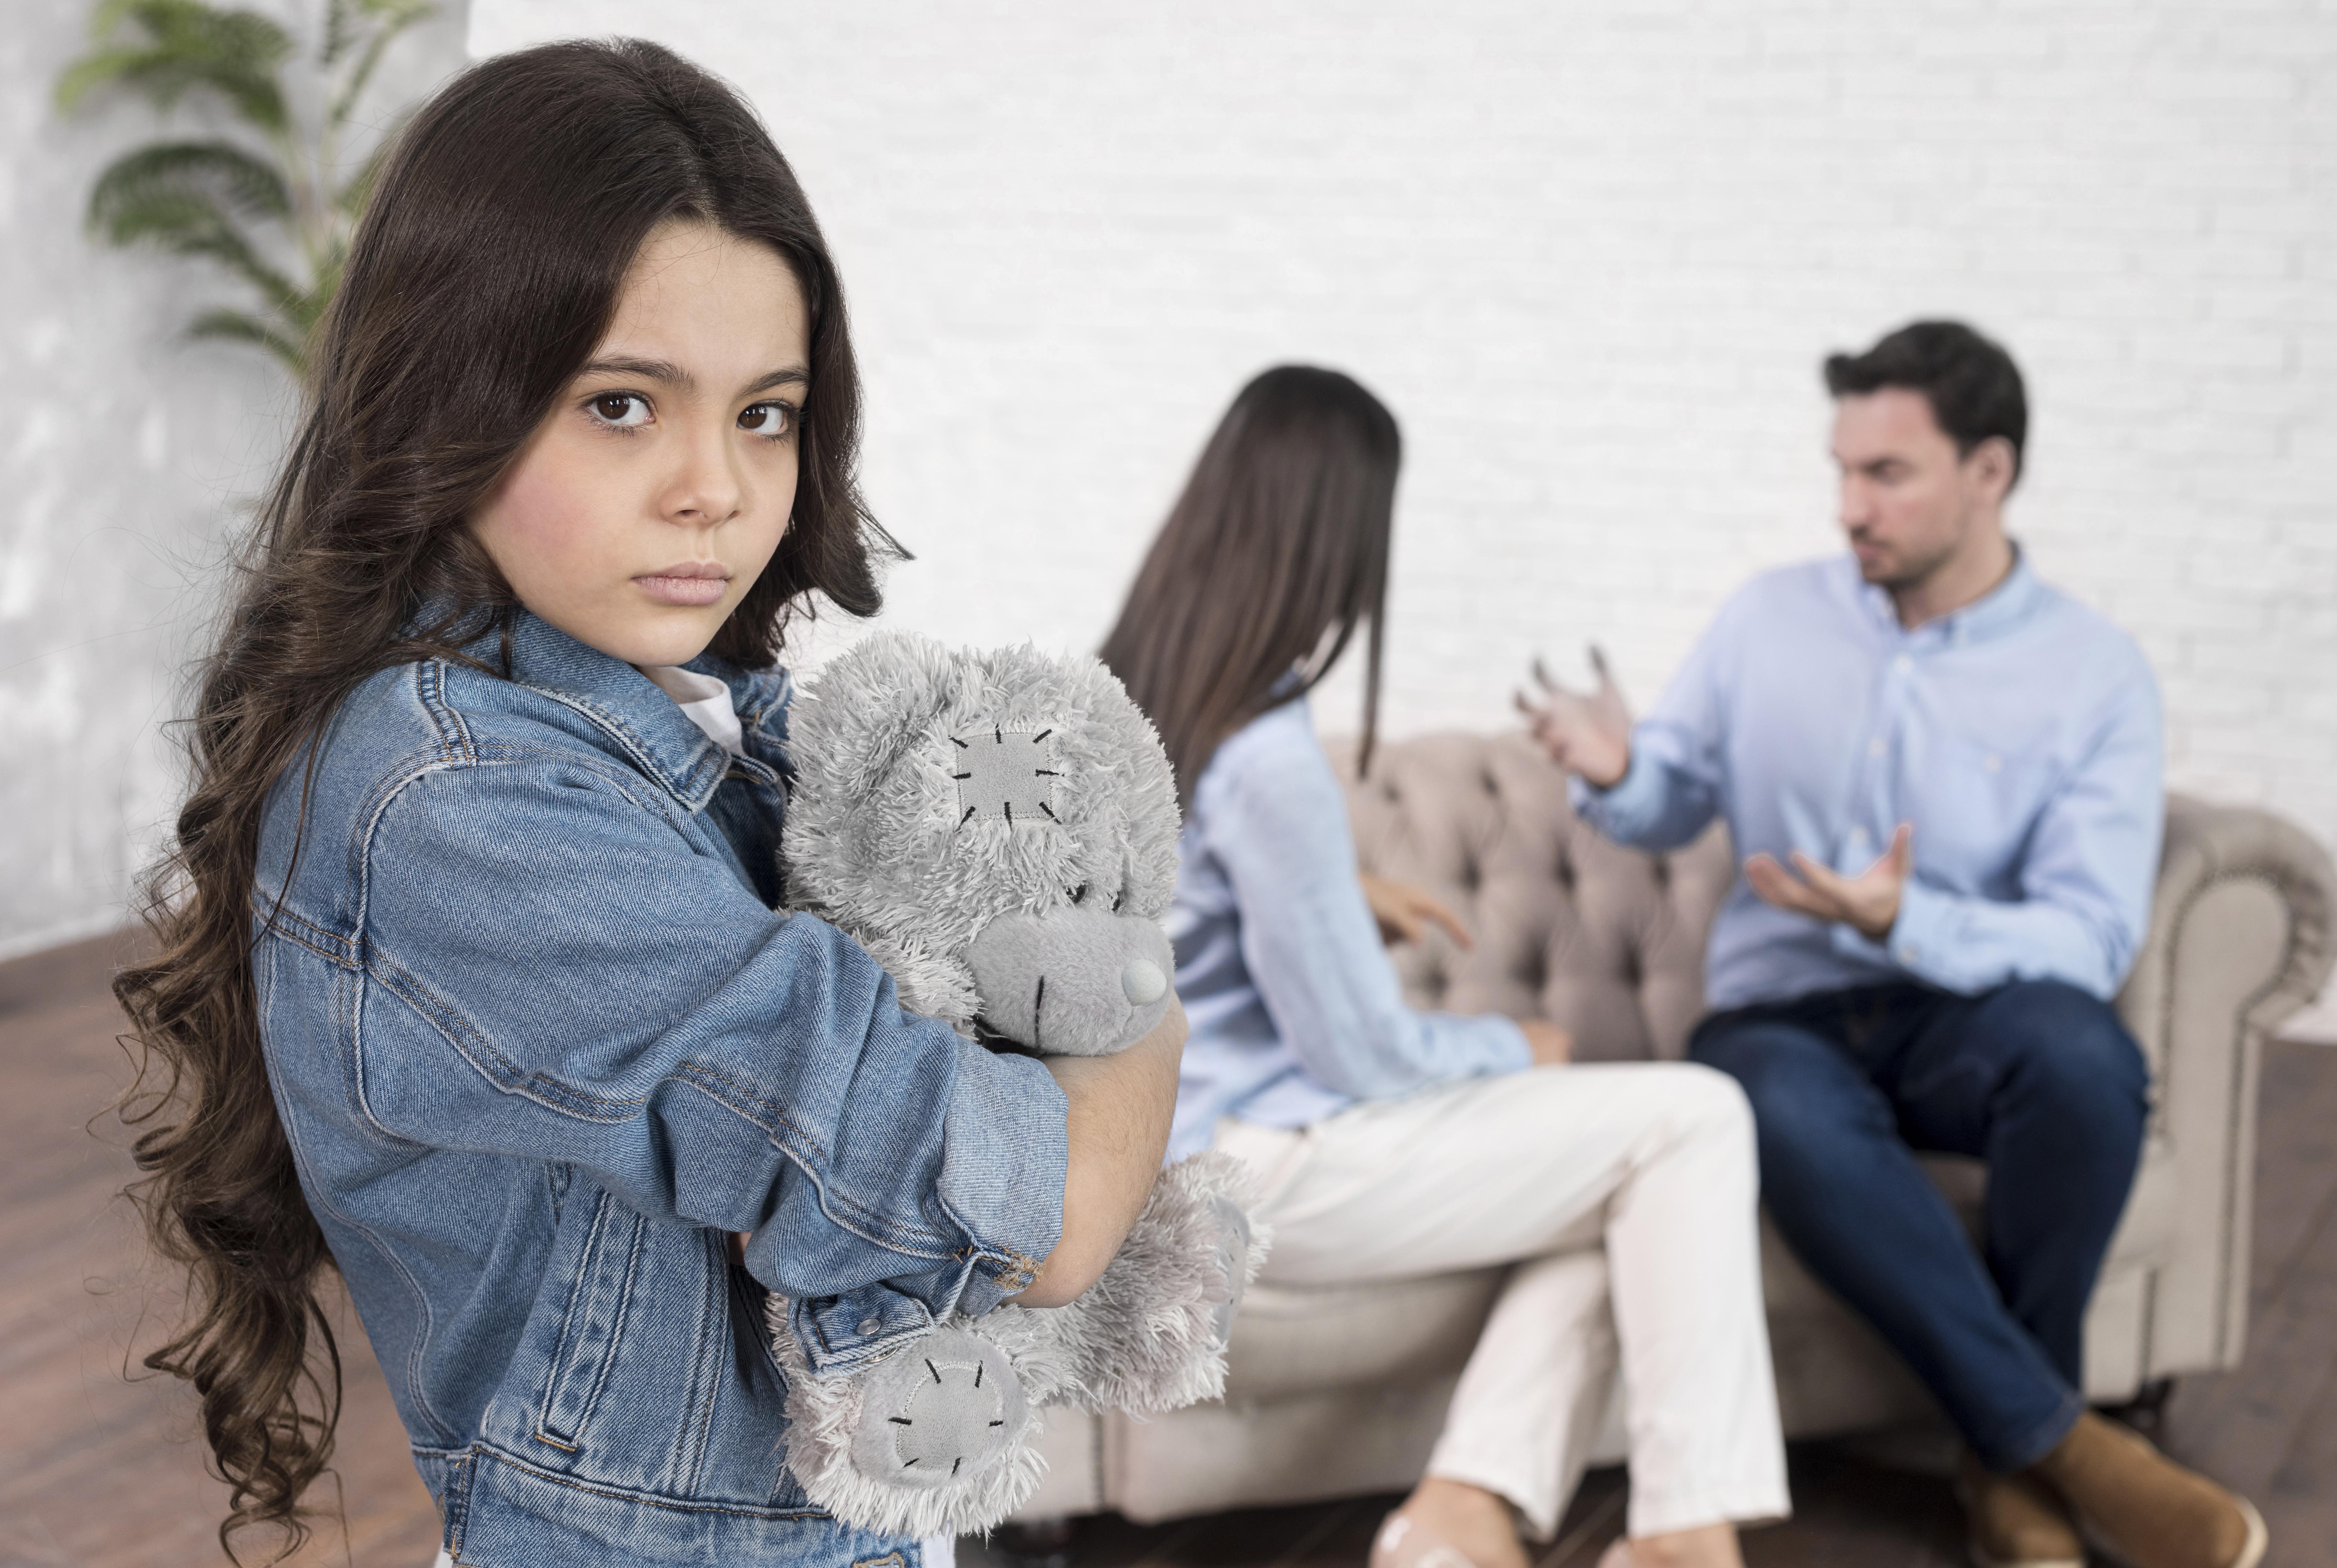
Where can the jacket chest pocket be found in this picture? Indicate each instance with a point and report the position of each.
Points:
(594, 1323)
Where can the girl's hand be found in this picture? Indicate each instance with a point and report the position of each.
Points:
(1117, 1124)
(1405, 913)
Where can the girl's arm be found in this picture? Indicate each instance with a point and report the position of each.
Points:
(1117, 1125)
(544, 969)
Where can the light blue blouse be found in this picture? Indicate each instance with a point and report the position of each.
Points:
(1295, 1011)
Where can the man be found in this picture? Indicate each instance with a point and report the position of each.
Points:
(1945, 778)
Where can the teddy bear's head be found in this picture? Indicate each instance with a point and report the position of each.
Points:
(998, 829)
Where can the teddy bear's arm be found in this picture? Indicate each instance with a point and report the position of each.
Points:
(1150, 1334)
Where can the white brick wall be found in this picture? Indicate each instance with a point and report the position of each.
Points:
(1591, 255)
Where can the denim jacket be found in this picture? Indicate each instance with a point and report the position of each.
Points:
(541, 1040)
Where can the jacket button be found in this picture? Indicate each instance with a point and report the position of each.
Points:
(868, 1325)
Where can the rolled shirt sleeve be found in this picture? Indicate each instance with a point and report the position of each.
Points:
(598, 990)
(1278, 825)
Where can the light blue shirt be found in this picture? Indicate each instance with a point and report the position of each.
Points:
(1294, 1010)
(2019, 736)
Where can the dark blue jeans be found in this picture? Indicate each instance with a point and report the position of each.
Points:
(2037, 1078)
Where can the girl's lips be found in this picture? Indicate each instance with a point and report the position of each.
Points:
(684, 590)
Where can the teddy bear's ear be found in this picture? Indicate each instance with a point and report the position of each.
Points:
(865, 732)
(871, 708)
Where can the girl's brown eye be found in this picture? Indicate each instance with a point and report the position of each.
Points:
(766, 419)
(621, 409)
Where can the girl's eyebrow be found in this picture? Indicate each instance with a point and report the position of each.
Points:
(673, 374)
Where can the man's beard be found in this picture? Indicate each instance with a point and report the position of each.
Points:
(1897, 573)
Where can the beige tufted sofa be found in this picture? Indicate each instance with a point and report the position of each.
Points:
(1334, 1392)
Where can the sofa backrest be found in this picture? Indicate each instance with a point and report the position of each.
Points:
(1604, 940)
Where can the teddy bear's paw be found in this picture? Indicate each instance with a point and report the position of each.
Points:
(1150, 1335)
(939, 1437)
(946, 1409)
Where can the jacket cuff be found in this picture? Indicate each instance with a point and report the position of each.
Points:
(1006, 1154)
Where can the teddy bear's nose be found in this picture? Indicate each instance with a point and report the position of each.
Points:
(1143, 982)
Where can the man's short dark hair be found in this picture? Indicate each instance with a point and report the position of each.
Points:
(1971, 384)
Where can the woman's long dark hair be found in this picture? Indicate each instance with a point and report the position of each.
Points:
(1275, 553)
(483, 274)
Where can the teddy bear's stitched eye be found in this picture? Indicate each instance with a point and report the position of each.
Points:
(1079, 892)
(1116, 900)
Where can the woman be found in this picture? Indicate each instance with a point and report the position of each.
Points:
(1394, 1142)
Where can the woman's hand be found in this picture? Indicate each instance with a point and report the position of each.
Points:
(1405, 913)
(1117, 1124)
(1551, 1045)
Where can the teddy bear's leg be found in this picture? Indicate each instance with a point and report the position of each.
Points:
(938, 1438)
(1150, 1335)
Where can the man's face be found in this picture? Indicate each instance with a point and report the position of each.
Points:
(1908, 500)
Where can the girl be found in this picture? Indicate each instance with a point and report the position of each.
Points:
(1395, 1142)
(472, 988)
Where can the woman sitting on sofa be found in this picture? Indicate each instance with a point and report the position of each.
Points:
(1394, 1142)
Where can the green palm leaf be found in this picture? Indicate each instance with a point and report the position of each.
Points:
(188, 45)
(186, 220)
(238, 205)
(238, 327)
(391, 18)
(240, 181)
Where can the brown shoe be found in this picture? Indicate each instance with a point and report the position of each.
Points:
(2144, 1508)
(2015, 1521)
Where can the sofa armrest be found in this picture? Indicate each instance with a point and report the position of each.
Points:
(2241, 936)
(2242, 894)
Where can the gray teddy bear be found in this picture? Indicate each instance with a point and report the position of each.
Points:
(999, 829)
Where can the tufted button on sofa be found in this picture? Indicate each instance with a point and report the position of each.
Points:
(1339, 1391)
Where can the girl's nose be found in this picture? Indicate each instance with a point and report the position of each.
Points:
(706, 490)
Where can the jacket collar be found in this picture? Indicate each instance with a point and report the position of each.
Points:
(647, 727)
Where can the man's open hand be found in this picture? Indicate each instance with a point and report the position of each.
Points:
(1868, 902)
(1588, 734)
(1405, 913)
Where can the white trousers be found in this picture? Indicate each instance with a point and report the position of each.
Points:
(1626, 1195)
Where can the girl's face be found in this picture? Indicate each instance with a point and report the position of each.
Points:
(642, 509)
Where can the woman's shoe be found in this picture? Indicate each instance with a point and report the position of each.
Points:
(1401, 1543)
(2014, 1522)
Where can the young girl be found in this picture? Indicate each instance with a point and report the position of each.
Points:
(471, 987)
(1394, 1142)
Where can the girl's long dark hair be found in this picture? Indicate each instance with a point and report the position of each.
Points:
(483, 274)
(1272, 555)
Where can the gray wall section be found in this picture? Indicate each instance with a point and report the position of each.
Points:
(128, 462)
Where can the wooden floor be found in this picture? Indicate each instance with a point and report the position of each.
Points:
(100, 1471)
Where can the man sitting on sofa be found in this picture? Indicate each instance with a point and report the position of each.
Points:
(1944, 775)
